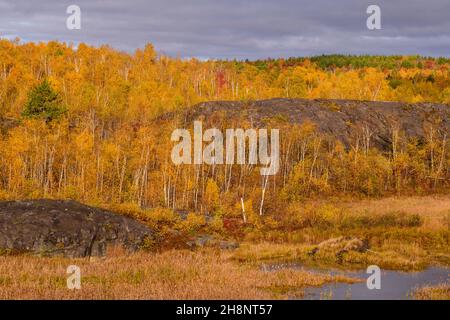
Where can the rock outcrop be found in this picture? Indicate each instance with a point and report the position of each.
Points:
(67, 228)
(342, 119)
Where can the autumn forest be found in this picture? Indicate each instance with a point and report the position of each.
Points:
(80, 123)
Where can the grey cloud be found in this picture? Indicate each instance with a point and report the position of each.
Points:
(238, 28)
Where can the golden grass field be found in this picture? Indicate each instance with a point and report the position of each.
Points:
(175, 274)
(210, 273)
(435, 210)
(439, 292)
(408, 233)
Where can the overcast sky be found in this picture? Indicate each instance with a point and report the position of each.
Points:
(237, 28)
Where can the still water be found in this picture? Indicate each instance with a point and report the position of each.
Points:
(395, 285)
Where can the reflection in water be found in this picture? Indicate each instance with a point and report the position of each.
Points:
(395, 285)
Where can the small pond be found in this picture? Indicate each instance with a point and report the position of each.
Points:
(395, 285)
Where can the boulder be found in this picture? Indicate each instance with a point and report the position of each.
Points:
(341, 245)
(68, 228)
(211, 241)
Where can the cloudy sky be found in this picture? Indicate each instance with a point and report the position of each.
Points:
(237, 28)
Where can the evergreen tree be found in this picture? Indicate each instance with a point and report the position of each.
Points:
(43, 102)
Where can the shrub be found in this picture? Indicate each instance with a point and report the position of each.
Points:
(193, 223)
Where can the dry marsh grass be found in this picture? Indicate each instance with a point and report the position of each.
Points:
(434, 210)
(402, 257)
(398, 240)
(176, 274)
(404, 233)
(438, 292)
